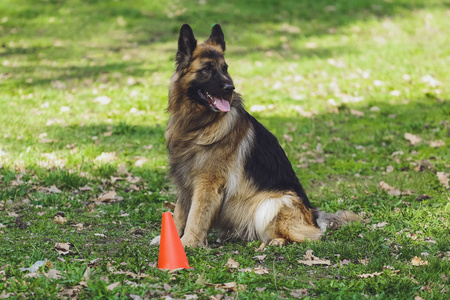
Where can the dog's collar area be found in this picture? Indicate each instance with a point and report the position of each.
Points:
(215, 104)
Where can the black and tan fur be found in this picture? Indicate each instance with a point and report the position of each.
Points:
(230, 172)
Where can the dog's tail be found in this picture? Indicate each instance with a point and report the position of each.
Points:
(334, 220)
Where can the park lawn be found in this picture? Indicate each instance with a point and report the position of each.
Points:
(357, 93)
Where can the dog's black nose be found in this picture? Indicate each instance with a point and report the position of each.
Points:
(228, 87)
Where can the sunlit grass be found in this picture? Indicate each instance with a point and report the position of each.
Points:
(83, 92)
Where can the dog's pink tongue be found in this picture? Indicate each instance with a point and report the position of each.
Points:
(222, 105)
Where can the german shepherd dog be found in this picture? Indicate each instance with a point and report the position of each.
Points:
(229, 170)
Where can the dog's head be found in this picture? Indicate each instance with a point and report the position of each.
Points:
(202, 70)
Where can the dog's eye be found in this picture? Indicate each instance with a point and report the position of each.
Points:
(206, 69)
(225, 68)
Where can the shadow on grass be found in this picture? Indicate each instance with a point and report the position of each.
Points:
(246, 25)
(350, 144)
(67, 74)
(160, 22)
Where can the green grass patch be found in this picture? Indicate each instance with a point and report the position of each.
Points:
(83, 93)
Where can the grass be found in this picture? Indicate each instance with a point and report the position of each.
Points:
(339, 84)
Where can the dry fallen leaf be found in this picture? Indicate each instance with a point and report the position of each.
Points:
(261, 270)
(59, 220)
(228, 286)
(436, 144)
(260, 257)
(380, 225)
(114, 179)
(356, 113)
(370, 275)
(72, 292)
(94, 262)
(428, 79)
(71, 146)
(231, 263)
(79, 226)
(344, 262)
(288, 138)
(104, 100)
(140, 161)
(429, 240)
(258, 270)
(32, 275)
(106, 157)
(412, 236)
(390, 189)
(308, 255)
(112, 286)
(417, 261)
(413, 139)
(5, 295)
(86, 275)
(53, 274)
(364, 261)
(62, 248)
(443, 179)
(299, 293)
(48, 141)
(107, 197)
(132, 179)
(52, 189)
(315, 262)
(397, 153)
(12, 214)
(310, 259)
(85, 188)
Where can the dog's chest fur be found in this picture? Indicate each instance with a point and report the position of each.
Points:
(216, 151)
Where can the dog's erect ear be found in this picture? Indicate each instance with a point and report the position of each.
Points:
(217, 37)
(186, 44)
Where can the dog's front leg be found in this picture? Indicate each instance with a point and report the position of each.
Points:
(205, 206)
(180, 214)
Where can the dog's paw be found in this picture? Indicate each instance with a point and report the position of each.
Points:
(155, 241)
(193, 242)
(277, 242)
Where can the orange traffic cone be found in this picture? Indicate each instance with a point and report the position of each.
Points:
(171, 251)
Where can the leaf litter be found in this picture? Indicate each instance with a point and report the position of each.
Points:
(417, 261)
(59, 219)
(228, 286)
(413, 139)
(392, 190)
(231, 263)
(63, 248)
(309, 259)
(443, 179)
